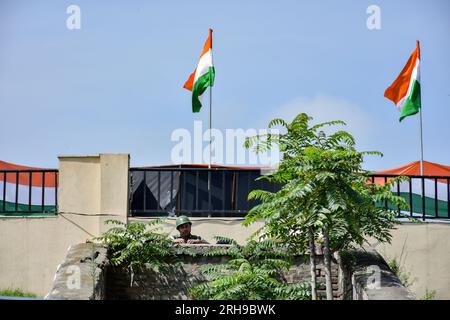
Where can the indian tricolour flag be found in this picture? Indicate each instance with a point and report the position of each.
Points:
(26, 189)
(203, 75)
(435, 195)
(405, 90)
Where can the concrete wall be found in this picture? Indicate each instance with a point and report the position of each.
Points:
(371, 277)
(175, 283)
(94, 186)
(91, 190)
(86, 274)
(423, 251)
(97, 279)
(81, 276)
(32, 248)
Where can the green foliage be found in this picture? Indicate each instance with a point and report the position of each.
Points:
(324, 189)
(253, 273)
(17, 293)
(398, 270)
(138, 244)
(429, 295)
(325, 196)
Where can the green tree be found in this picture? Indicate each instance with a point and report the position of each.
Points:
(254, 272)
(325, 194)
(138, 245)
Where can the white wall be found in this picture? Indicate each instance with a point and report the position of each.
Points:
(91, 190)
(423, 251)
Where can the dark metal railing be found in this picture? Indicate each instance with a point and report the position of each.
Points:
(19, 196)
(201, 192)
(428, 196)
(187, 192)
(204, 192)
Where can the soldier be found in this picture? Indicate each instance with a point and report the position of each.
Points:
(183, 225)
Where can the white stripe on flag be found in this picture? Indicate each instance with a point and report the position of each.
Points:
(36, 194)
(429, 188)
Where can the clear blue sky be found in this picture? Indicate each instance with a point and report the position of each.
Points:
(115, 85)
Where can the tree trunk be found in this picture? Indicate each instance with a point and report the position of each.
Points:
(327, 258)
(312, 263)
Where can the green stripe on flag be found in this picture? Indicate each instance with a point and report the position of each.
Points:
(430, 205)
(10, 207)
(412, 103)
(200, 86)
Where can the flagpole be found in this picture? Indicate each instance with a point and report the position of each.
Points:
(210, 139)
(210, 152)
(210, 106)
(420, 113)
(421, 142)
(210, 125)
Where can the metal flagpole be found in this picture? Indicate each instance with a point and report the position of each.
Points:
(210, 125)
(421, 143)
(210, 135)
(420, 112)
(210, 152)
(210, 105)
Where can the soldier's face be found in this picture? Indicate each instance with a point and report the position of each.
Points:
(185, 229)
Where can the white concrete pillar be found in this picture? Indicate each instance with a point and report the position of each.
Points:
(94, 186)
